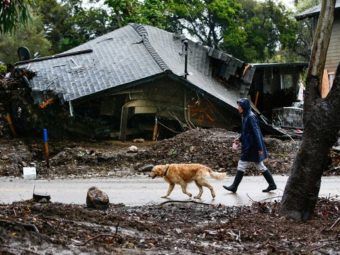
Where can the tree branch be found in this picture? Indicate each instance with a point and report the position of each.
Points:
(194, 31)
(321, 39)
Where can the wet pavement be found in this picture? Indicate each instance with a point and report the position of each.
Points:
(142, 190)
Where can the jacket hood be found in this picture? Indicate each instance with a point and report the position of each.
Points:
(245, 104)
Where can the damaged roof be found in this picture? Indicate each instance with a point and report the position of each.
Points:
(130, 54)
(313, 11)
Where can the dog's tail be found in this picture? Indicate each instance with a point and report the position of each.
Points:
(216, 175)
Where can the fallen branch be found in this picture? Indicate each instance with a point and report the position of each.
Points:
(251, 198)
(269, 198)
(334, 224)
(184, 202)
(93, 238)
(237, 236)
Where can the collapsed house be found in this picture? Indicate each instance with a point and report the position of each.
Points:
(140, 80)
(137, 77)
(276, 91)
(276, 85)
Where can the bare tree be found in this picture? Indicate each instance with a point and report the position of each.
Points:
(322, 123)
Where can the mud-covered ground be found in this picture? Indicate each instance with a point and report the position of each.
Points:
(112, 158)
(171, 228)
(185, 227)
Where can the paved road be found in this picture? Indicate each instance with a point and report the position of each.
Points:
(143, 190)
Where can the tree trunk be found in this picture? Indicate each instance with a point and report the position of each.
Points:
(322, 123)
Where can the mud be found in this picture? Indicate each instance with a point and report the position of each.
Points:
(112, 158)
(171, 228)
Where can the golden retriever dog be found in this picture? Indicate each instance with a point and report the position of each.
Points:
(182, 174)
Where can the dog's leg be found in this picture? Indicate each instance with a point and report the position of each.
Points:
(206, 184)
(184, 188)
(200, 190)
(170, 189)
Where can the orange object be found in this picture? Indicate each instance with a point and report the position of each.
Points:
(47, 154)
(324, 89)
(45, 103)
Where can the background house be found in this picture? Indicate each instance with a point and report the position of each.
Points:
(333, 54)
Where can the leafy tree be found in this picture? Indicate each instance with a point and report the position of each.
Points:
(125, 11)
(247, 29)
(30, 35)
(262, 29)
(158, 13)
(207, 20)
(305, 30)
(306, 4)
(69, 24)
(12, 13)
(85, 25)
(54, 16)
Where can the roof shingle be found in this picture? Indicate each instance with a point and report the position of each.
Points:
(129, 54)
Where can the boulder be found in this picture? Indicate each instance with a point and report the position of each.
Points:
(97, 199)
(132, 149)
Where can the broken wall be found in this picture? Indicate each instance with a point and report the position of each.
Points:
(164, 102)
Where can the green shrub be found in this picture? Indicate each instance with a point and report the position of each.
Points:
(3, 69)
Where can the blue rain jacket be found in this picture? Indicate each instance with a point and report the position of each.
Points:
(251, 136)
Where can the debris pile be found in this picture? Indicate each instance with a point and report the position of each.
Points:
(185, 227)
(212, 147)
(14, 94)
(14, 155)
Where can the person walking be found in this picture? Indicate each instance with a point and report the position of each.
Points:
(253, 149)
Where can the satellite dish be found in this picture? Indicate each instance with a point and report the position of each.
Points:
(23, 53)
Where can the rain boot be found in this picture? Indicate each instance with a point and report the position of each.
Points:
(269, 178)
(237, 180)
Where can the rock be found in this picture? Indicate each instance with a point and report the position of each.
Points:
(132, 149)
(97, 199)
(138, 140)
(41, 197)
(146, 168)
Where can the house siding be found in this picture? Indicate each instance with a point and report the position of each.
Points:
(333, 54)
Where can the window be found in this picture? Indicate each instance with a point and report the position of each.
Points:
(286, 81)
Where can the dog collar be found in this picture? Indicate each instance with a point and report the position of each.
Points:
(166, 170)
